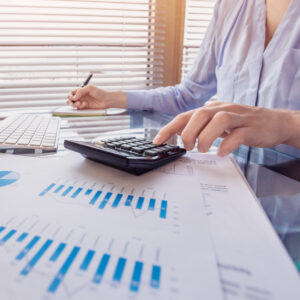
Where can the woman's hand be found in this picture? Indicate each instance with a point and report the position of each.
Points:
(237, 124)
(92, 97)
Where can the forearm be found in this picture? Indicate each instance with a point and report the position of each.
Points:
(171, 100)
(294, 127)
(117, 99)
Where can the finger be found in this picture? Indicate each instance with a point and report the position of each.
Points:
(230, 107)
(197, 122)
(79, 93)
(236, 138)
(222, 122)
(202, 117)
(82, 105)
(211, 103)
(71, 95)
(172, 128)
(76, 104)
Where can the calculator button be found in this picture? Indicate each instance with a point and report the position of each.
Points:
(160, 150)
(126, 147)
(150, 153)
(117, 144)
(133, 144)
(172, 148)
(147, 147)
(110, 145)
(137, 149)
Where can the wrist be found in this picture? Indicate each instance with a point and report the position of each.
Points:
(116, 99)
(294, 129)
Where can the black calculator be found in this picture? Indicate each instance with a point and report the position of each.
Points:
(133, 155)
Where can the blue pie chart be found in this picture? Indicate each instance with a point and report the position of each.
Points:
(8, 177)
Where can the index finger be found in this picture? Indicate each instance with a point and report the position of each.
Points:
(175, 126)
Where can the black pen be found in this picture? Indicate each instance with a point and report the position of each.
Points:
(86, 82)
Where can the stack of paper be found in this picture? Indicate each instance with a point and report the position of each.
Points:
(190, 230)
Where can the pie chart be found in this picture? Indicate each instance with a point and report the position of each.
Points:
(8, 177)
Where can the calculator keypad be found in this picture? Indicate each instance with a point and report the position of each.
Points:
(137, 146)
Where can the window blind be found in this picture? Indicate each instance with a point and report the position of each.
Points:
(198, 16)
(48, 47)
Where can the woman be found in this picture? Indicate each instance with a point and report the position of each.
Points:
(250, 58)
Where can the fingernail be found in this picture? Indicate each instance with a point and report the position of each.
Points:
(189, 147)
(157, 139)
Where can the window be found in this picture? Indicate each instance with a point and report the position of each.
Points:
(47, 47)
(198, 16)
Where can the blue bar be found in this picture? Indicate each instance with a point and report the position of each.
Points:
(76, 193)
(119, 269)
(88, 192)
(151, 204)
(63, 271)
(105, 200)
(96, 197)
(22, 237)
(2, 228)
(27, 248)
(57, 252)
(140, 202)
(155, 277)
(87, 260)
(136, 276)
(45, 191)
(67, 191)
(59, 189)
(7, 237)
(163, 209)
(128, 200)
(101, 268)
(36, 258)
(117, 200)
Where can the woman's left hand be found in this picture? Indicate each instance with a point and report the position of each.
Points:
(237, 124)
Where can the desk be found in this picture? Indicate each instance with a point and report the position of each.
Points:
(274, 176)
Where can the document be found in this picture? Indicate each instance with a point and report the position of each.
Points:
(253, 263)
(69, 111)
(74, 229)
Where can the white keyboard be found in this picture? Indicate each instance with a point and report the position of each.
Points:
(29, 133)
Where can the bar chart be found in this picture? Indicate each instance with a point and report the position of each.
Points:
(8, 177)
(101, 199)
(67, 259)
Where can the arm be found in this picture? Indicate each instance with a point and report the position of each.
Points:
(192, 92)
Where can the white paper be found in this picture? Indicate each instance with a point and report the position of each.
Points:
(174, 240)
(252, 261)
(70, 111)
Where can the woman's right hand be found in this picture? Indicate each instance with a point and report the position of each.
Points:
(92, 97)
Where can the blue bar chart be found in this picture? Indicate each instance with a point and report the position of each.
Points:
(101, 199)
(35, 248)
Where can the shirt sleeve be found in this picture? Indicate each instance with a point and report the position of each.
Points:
(195, 89)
